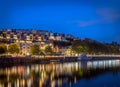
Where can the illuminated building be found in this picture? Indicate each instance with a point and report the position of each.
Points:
(26, 38)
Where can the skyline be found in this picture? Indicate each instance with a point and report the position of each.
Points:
(97, 20)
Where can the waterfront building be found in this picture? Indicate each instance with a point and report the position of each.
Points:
(26, 38)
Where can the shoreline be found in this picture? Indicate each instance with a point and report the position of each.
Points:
(15, 61)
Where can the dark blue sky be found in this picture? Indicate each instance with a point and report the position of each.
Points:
(95, 19)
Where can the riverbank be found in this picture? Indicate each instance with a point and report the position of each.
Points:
(10, 61)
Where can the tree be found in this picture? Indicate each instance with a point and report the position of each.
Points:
(48, 50)
(13, 48)
(79, 47)
(3, 48)
(34, 50)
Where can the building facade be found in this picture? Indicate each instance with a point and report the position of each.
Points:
(27, 38)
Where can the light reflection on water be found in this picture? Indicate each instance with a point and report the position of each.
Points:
(55, 75)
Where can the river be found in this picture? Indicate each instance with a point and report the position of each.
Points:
(104, 73)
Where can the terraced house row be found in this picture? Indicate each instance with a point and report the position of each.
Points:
(28, 37)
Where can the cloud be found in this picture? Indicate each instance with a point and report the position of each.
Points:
(105, 16)
(87, 23)
(108, 14)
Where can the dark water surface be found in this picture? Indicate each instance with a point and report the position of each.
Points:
(105, 73)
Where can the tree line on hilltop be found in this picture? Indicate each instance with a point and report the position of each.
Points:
(94, 47)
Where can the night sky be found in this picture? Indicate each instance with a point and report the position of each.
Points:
(95, 19)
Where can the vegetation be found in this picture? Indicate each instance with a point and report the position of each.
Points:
(48, 50)
(77, 47)
(94, 47)
(35, 50)
(14, 48)
(62, 43)
(3, 48)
